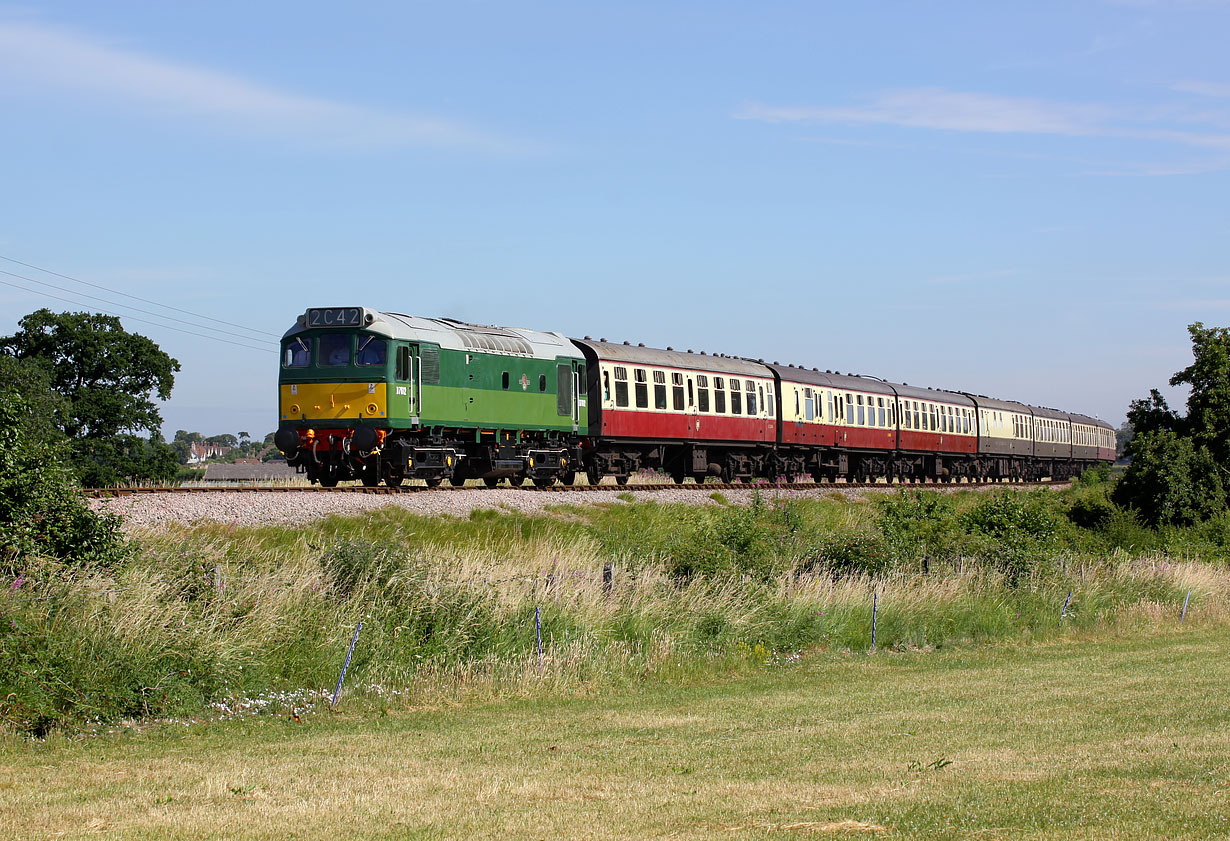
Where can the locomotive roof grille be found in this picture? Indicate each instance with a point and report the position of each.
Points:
(495, 342)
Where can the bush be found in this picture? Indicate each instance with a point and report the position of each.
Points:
(1020, 524)
(1171, 481)
(41, 514)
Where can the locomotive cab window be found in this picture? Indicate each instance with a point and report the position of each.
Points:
(504, 381)
(333, 349)
(371, 351)
(542, 382)
(296, 354)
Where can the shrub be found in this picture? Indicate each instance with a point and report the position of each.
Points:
(41, 514)
(1171, 481)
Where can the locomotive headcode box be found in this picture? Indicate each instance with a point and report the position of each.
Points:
(335, 317)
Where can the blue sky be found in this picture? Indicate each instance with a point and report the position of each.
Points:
(1020, 199)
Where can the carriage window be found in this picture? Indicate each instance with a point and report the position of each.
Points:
(809, 404)
(797, 410)
(371, 351)
(333, 349)
(641, 388)
(849, 400)
(297, 353)
(771, 404)
(719, 396)
(751, 397)
(736, 399)
(861, 418)
(677, 391)
(659, 389)
(702, 392)
(606, 386)
(621, 386)
(880, 408)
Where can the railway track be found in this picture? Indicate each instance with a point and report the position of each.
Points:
(106, 493)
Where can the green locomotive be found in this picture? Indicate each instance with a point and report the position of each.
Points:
(386, 397)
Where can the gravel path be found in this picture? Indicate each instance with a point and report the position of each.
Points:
(260, 509)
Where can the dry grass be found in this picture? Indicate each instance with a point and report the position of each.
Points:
(1090, 738)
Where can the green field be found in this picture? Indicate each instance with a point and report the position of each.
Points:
(1083, 737)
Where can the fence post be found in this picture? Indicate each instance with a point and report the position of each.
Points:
(1183, 615)
(538, 632)
(337, 690)
(1064, 612)
(875, 604)
(608, 578)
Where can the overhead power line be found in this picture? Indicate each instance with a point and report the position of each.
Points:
(134, 318)
(137, 309)
(137, 298)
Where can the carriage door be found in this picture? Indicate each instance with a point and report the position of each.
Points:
(404, 400)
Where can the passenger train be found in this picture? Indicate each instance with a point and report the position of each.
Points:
(384, 397)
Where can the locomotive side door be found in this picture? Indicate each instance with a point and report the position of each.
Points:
(404, 401)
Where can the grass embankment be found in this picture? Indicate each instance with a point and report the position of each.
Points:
(214, 615)
(1089, 736)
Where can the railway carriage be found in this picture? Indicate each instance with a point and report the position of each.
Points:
(938, 434)
(689, 414)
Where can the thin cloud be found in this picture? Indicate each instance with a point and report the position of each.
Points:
(34, 56)
(1219, 90)
(938, 109)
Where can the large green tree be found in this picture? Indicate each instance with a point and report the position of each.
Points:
(1180, 468)
(105, 379)
(1208, 407)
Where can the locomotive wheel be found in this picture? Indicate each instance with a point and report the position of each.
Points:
(328, 479)
(490, 481)
(393, 481)
(568, 477)
(433, 482)
(456, 480)
(370, 476)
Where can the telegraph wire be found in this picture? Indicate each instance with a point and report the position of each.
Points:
(140, 320)
(137, 298)
(137, 309)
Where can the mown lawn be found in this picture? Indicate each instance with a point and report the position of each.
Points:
(1079, 737)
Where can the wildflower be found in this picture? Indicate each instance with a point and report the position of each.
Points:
(17, 582)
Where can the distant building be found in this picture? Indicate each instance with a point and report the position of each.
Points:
(202, 451)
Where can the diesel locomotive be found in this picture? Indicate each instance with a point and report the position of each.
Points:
(384, 397)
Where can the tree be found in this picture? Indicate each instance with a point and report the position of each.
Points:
(105, 378)
(1152, 414)
(1208, 407)
(1180, 466)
